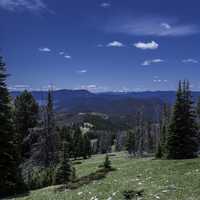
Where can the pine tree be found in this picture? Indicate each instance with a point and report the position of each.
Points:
(86, 146)
(10, 176)
(182, 136)
(66, 134)
(50, 136)
(73, 176)
(198, 108)
(159, 153)
(50, 123)
(107, 163)
(161, 147)
(139, 132)
(77, 143)
(130, 144)
(150, 141)
(26, 117)
(63, 172)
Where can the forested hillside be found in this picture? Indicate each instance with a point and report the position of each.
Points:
(42, 146)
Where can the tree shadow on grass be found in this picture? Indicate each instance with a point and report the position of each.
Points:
(85, 180)
(25, 194)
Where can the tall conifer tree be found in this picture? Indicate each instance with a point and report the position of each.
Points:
(130, 143)
(182, 137)
(10, 177)
(64, 169)
(25, 117)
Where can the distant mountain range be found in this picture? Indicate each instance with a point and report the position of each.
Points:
(111, 103)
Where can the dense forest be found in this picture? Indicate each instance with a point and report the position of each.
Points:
(37, 151)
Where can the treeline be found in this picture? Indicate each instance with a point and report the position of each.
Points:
(175, 135)
(34, 152)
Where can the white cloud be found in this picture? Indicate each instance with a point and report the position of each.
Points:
(61, 53)
(150, 26)
(82, 71)
(32, 5)
(149, 45)
(67, 56)
(149, 62)
(190, 60)
(160, 80)
(22, 86)
(115, 44)
(165, 25)
(45, 49)
(105, 5)
(93, 88)
(19, 87)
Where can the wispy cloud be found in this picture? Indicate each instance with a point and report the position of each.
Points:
(105, 5)
(115, 44)
(151, 26)
(61, 53)
(82, 71)
(32, 5)
(19, 87)
(89, 87)
(148, 45)
(150, 62)
(93, 88)
(190, 60)
(165, 25)
(67, 57)
(160, 81)
(45, 49)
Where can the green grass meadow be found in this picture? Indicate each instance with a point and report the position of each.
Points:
(159, 179)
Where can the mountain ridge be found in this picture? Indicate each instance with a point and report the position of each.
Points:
(112, 103)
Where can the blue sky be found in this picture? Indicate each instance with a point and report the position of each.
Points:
(101, 45)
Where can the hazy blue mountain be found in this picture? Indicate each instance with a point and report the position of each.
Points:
(112, 103)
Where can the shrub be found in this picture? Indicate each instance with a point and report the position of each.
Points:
(40, 177)
(131, 194)
(107, 163)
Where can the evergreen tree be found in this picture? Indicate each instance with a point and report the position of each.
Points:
(73, 176)
(26, 117)
(165, 123)
(63, 172)
(182, 137)
(139, 131)
(107, 163)
(150, 141)
(130, 144)
(50, 134)
(10, 176)
(86, 146)
(77, 143)
(198, 117)
(50, 123)
(198, 109)
(159, 153)
(66, 135)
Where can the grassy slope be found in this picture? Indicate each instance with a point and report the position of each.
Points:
(165, 180)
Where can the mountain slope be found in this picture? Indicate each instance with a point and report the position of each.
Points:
(111, 103)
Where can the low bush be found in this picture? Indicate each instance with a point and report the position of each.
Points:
(77, 162)
(40, 178)
(131, 194)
